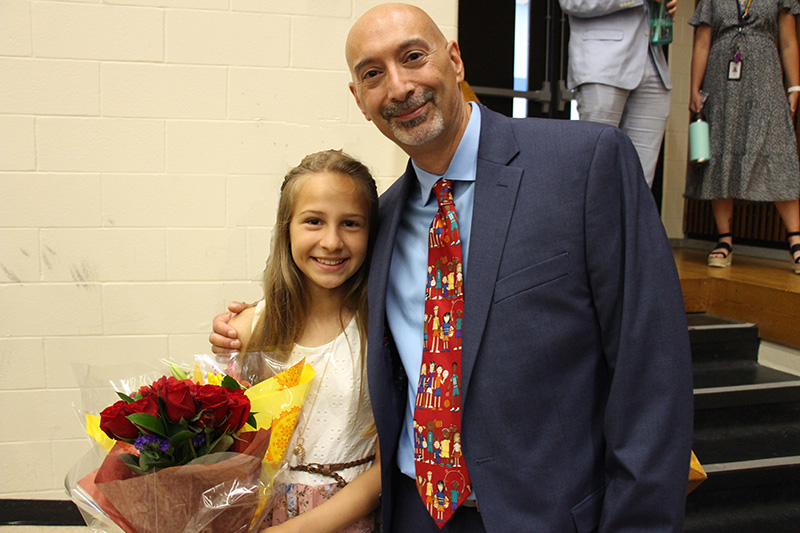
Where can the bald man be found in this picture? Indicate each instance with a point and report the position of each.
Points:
(575, 379)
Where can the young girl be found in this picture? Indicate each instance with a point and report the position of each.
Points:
(315, 306)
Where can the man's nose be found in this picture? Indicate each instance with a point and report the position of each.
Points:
(400, 85)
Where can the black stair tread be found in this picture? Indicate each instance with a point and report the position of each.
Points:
(770, 503)
(729, 373)
(707, 319)
(745, 433)
(715, 338)
(747, 517)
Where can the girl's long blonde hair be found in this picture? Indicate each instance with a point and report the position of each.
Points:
(284, 317)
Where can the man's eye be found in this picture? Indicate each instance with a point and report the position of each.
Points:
(413, 56)
(370, 74)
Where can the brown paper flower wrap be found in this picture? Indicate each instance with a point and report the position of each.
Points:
(217, 497)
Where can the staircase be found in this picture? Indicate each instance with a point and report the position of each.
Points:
(746, 433)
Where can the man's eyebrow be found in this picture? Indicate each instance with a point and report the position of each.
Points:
(410, 43)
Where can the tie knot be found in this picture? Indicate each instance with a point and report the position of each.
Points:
(444, 191)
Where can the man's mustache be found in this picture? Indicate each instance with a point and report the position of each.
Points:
(412, 102)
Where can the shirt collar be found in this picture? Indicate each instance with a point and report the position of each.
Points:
(464, 165)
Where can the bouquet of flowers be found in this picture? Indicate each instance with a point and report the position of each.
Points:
(184, 452)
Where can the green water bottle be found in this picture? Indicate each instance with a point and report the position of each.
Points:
(699, 145)
(660, 23)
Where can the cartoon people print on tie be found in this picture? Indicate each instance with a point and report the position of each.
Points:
(438, 381)
(437, 443)
(457, 454)
(454, 494)
(441, 501)
(434, 336)
(451, 280)
(438, 274)
(429, 492)
(444, 444)
(446, 329)
(431, 285)
(454, 235)
(447, 394)
(429, 377)
(459, 315)
(456, 390)
(421, 387)
(419, 441)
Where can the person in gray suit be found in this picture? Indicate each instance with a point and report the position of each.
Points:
(618, 76)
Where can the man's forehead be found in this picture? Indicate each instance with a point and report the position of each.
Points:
(392, 29)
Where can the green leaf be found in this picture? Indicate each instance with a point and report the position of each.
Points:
(148, 422)
(222, 444)
(252, 420)
(125, 397)
(181, 437)
(177, 372)
(132, 462)
(230, 383)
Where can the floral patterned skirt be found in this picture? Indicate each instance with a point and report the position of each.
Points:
(292, 499)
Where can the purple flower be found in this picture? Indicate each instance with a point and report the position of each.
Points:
(199, 440)
(151, 441)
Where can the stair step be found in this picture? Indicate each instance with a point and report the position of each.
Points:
(718, 374)
(715, 338)
(766, 386)
(747, 432)
(748, 496)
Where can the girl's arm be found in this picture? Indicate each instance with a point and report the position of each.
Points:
(789, 54)
(702, 44)
(358, 498)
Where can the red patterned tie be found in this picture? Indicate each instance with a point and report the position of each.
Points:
(442, 478)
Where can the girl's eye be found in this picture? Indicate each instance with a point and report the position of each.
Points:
(313, 221)
(351, 224)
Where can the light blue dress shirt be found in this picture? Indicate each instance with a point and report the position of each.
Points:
(405, 298)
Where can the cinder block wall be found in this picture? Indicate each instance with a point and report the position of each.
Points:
(142, 144)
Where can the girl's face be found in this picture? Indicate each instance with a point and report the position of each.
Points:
(329, 230)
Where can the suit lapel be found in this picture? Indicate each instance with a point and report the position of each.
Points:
(380, 368)
(496, 187)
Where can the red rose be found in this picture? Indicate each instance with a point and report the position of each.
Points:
(239, 410)
(114, 422)
(213, 400)
(178, 399)
(154, 388)
(148, 405)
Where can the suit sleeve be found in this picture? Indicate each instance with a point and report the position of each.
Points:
(639, 304)
(597, 8)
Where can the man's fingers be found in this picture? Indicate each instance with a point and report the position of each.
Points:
(238, 307)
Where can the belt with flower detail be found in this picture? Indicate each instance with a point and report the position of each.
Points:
(331, 468)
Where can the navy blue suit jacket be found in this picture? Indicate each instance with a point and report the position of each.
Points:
(576, 377)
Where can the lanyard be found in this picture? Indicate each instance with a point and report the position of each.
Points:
(742, 16)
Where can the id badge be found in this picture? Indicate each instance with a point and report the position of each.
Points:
(735, 70)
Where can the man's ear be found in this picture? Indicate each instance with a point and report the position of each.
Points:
(354, 92)
(455, 56)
